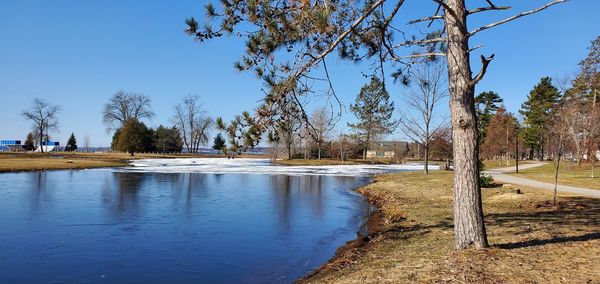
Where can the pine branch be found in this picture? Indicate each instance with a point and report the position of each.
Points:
(421, 41)
(334, 44)
(418, 55)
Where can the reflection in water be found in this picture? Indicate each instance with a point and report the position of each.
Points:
(38, 190)
(108, 226)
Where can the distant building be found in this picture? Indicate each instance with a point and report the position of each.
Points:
(387, 149)
(49, 146)
(10, 145)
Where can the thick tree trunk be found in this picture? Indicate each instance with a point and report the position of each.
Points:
(469, 228)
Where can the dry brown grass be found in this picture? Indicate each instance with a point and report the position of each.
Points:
(11, 162)
(531, 242)
(569, 174)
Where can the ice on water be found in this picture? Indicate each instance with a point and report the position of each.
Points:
(260, 166)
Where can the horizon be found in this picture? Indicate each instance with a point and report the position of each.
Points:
(77, 55)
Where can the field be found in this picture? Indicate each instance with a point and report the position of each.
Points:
(14, 162)
(411, 237)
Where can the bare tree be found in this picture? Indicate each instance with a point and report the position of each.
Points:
(423, 97)
(124, 106)
(86, 142)
(44, 117)
(580, 127)
(193, 123)
(321, 122)
(560, 126)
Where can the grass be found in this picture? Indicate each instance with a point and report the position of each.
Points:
(569, 174)
(531, 241)
(14, 162)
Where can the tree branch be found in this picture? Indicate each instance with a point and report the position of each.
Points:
(333, 45)
(476, 47)
(474, 11)
(515, 17)
(417, 55)
(421, 41)
(484, 65)
(430, 18)
(491, 8)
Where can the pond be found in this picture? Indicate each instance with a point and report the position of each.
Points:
(174, 222)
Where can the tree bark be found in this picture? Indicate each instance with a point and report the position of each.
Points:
(469, 227)
(42, 140)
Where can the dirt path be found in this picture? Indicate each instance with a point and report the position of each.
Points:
(500, 175)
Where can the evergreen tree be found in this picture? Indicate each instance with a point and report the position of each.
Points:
(586, 85)
(218, 143)
(374, 110)
(114, 144)
(486, 104)
(133, 137)
(168, 140)
(71, 143)
(29, 142)
(537, 113)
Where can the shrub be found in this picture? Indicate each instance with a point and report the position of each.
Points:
(486, 181)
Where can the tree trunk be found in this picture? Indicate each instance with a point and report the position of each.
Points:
(319, 150)
(517, 151)
(469, 228)
(42, 140)
(557, 168)
(427, 158)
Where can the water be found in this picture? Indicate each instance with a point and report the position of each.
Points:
(123, 226)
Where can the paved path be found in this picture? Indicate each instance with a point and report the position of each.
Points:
(500, 175)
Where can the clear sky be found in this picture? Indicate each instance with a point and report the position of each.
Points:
(76, 54)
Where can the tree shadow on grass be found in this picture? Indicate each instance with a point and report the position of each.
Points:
(572, 215)
(532, 243)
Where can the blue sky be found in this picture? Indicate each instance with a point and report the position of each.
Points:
(76, 54)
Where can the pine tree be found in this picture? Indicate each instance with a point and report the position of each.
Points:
(218, 143)
(71, 143)
(374, 110)
(537, 112)
(133, 137)
(586, 85)
(168, 140)
(29, 142)
(486, 104)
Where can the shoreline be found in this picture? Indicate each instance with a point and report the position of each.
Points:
(355, 248)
